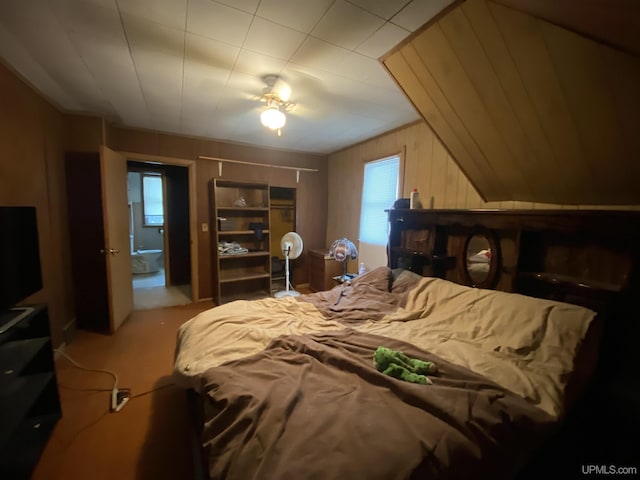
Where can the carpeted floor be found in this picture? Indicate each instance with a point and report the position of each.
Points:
(150, 291)
(148, 438)
(157, 297)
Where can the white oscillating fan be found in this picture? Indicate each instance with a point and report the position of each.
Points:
(291, 246)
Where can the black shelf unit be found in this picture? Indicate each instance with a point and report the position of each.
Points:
(29, 400)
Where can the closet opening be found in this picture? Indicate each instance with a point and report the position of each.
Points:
(282, 208)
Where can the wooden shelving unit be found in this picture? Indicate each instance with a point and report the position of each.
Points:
(29, 402)
(240, 217)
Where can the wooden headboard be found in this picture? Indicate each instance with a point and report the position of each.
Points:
(585, 257)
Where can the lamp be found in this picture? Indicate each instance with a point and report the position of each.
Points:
(276, 96)
(272, 117)
(342, 250)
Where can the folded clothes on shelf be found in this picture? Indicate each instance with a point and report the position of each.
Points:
(231, 248)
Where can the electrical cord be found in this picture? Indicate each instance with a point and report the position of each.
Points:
(119, 397)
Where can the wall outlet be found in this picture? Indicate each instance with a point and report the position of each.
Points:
(205, 227)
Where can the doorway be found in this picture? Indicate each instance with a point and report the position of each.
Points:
(282, 215)
(159, 234)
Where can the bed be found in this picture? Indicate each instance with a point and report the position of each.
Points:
(290, 389)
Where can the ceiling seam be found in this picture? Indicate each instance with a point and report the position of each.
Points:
(135, 68)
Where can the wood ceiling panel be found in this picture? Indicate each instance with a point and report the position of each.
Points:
(505, 129)
(528, 110)
(533, 145)
(443, 63)
(584, 81)
(523, 37)
(416, 81)
(624, 81)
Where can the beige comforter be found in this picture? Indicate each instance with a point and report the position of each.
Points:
(526, 345)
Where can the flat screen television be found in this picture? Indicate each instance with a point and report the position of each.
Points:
(20, 272)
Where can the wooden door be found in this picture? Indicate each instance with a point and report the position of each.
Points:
(99, 239)
(113, 167)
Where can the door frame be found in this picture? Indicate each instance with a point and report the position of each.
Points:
(193, 223)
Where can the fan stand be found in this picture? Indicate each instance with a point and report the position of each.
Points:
(286, 292)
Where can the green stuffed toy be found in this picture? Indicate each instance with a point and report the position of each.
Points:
(398, 365)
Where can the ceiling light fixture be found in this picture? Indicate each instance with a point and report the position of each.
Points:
(276, 95)
(273, 118)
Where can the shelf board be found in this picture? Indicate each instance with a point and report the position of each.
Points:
(409, 251)
(17, 398)
(16, 355)
(240, 277)
(256, 295)
(242, 209)
(26, 445)
(569, 281)
(244, 255)
(240, 232)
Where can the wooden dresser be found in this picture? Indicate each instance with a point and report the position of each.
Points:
(322, 269)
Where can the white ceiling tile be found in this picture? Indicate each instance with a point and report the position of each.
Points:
(55, 52)
(248, 6)
(378, 44)
(207, 83)
(150, 36)
(346, 25)
(161, 82)
(272, 39)
(318, 54)
(95, 18)
(12, 53)
(171, 13)
(383, 8)
(112, 68)
(211, 53)
(365, 70)
(258, 64)
(301, 16)
(419, 12)
(219, 22)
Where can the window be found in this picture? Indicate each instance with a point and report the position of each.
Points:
(379, 192)
(153, 211)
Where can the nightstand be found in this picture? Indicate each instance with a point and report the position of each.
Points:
(322, 269)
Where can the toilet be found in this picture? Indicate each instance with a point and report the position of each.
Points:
(146, 261)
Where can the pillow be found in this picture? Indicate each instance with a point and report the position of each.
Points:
(378, 278)
(403, 280)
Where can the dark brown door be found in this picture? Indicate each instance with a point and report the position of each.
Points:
(98, 230)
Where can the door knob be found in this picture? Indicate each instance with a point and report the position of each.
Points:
(112, 251)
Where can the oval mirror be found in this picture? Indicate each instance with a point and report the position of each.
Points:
(480, 257)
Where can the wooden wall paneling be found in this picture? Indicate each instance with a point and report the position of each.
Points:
(437, 110)
(524, 39)
(538, 150)
(463, 183)
(475, 62)
(450, 76)
(580, 71)
(345, 199)
(624, 78)
(418, 174)
(451, 185)
(614, 22)
(32, 138)
(440, 162)
(312, 189)
(530, 112)
(83, 133)
(416, 81)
